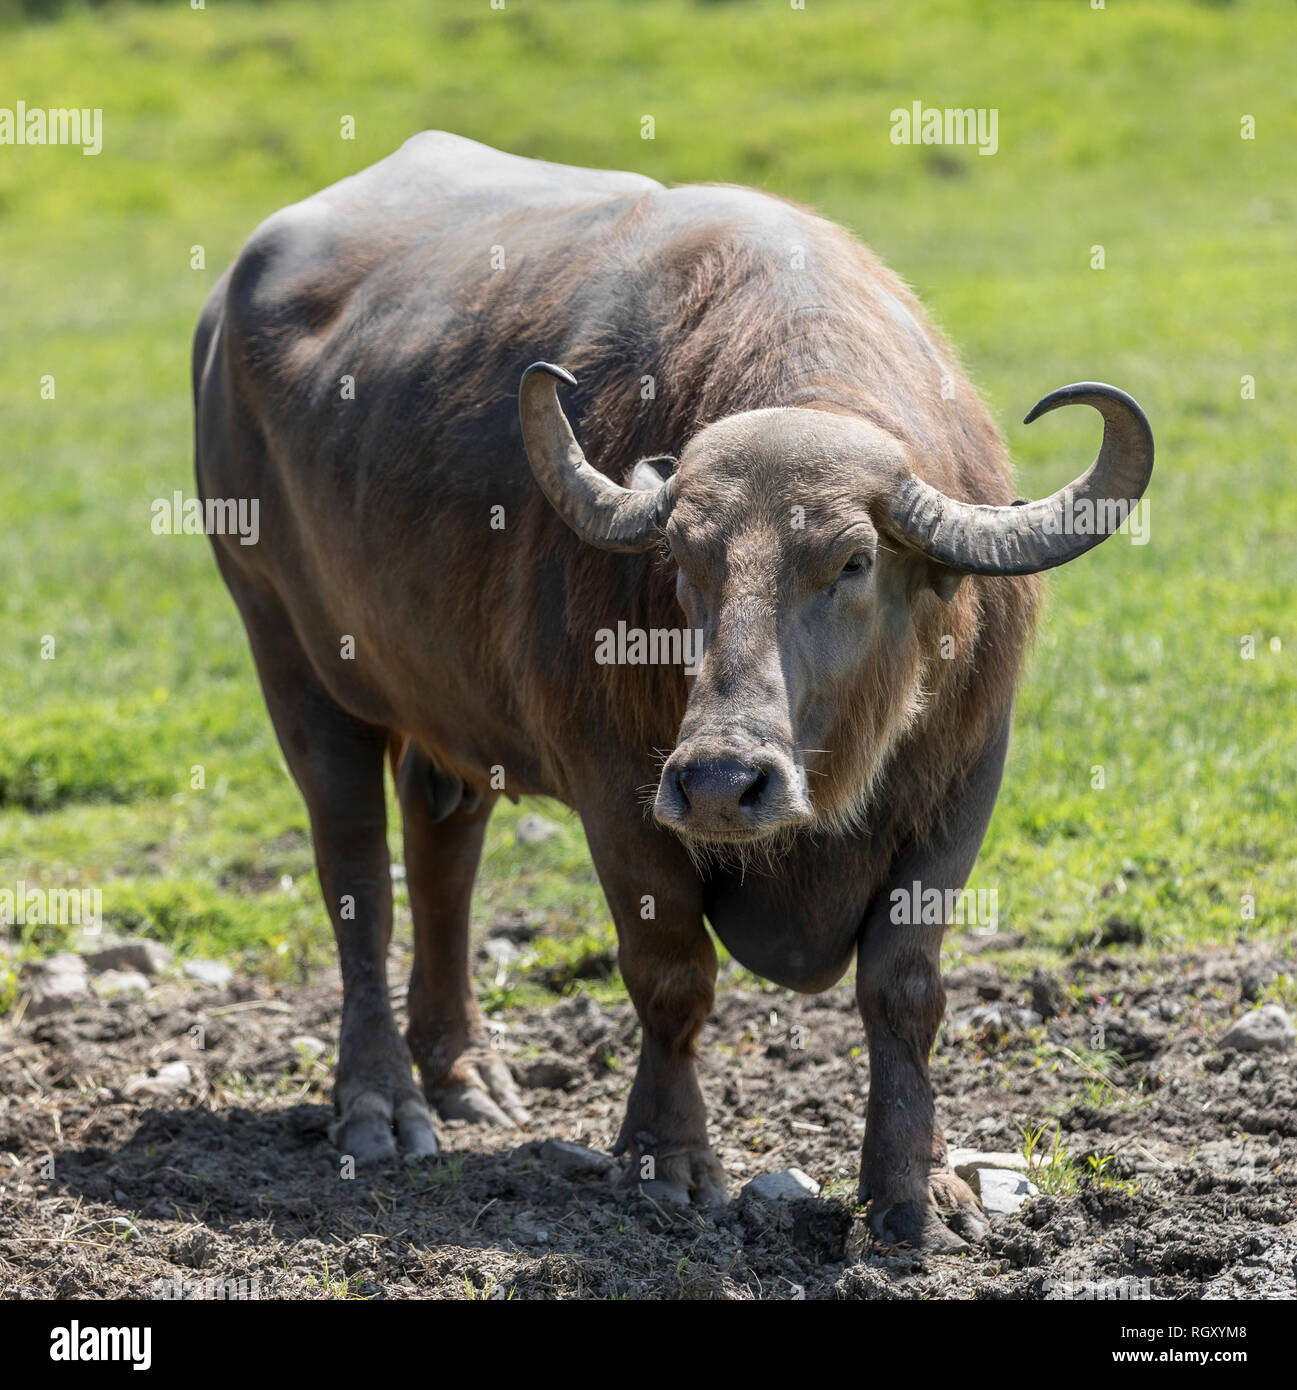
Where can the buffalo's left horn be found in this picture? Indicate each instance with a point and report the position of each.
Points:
(1033, 536)
(597, 509)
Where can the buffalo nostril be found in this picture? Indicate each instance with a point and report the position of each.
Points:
(752, 794)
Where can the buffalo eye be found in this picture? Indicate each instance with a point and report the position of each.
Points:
(858, 564)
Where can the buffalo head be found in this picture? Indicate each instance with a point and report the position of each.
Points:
(803, 539)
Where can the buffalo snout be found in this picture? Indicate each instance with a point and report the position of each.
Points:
(730, 795)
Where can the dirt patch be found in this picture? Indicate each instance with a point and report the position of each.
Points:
(124, 1175)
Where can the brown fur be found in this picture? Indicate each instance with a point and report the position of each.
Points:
(737, 334)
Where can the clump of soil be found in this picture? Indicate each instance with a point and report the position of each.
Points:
(125, 1175)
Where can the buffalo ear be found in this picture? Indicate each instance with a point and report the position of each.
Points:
(921, 574)
(943, 581)
(649, 474)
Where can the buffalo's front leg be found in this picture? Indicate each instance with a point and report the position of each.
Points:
(671, 981)
(914, 1197)
(669, 965)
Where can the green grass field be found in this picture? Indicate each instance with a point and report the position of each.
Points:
(1120, 128)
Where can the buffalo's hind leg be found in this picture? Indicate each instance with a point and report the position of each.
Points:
(462, 1075)
(337, 762)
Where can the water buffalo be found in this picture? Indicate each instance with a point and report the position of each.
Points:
(777, 451)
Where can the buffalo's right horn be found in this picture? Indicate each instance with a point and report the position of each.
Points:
(597, 509)
(1033, 536)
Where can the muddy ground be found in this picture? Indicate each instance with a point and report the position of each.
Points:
(108, 1192)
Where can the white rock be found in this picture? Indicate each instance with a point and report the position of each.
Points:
(501, 950)
(788, 1186)
(209, 972)
(534, 830)
(108, 984)
(312, 1047)
(64, 963)
(994, 1015)
(1266, 1027)
(1000, 1191)
(168, 1080)
(57, 983)
(965, 1162)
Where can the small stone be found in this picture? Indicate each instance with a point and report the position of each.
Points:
(312, 1047)
(168, 1080)
(1266, 1027)
(64, 963)
(1001, 1192)
(995, 1017)
(976, 1017)
(143, 957)
(1116, 931)
(574, 1161)
(527, 1229)
(209, 972)
(789, 1186)
(966, 1162)
(1257, 979)
(57, 983)
(109, 984)
(1131, 1035)
(1048, 997)
(549, 1074)
(977, 975)
(534, 830)
(501, 950)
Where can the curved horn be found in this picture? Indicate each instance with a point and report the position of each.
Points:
(1033, 536)
(597, 509)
